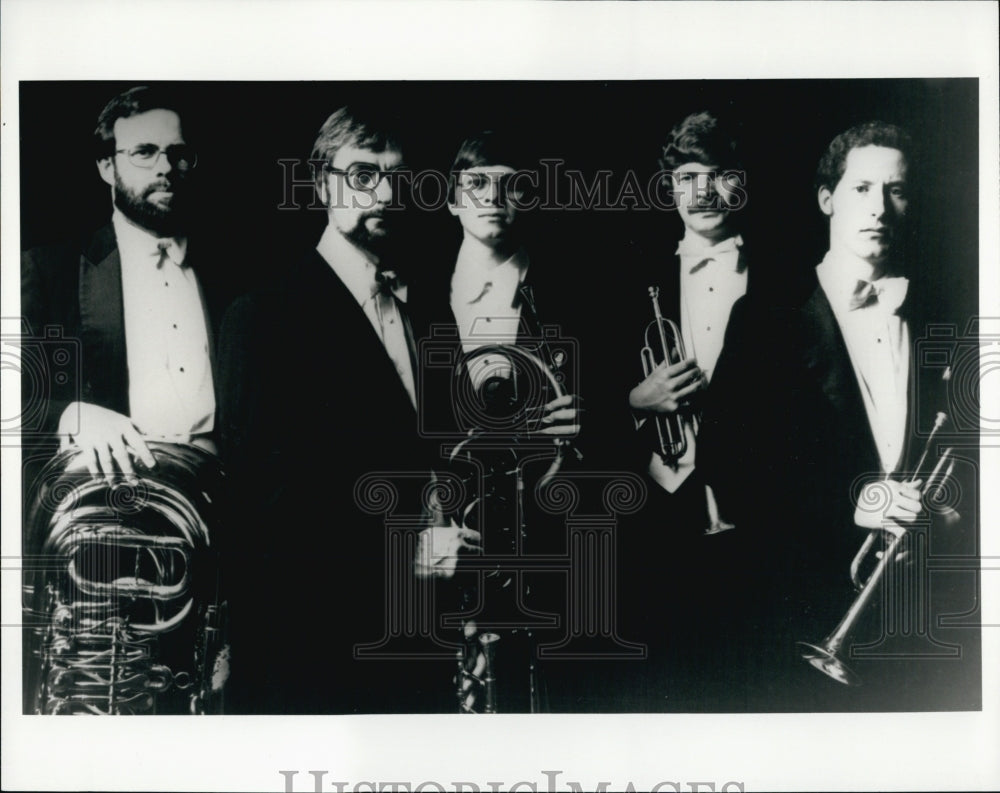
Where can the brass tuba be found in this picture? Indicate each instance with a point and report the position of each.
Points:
(123, 613)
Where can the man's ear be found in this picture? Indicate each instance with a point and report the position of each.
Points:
(106, 168)
(825, 199)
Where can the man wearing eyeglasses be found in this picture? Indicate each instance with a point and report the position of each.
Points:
(133, 298)
(319, 420)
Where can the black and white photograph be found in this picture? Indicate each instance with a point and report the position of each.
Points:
(420, 424)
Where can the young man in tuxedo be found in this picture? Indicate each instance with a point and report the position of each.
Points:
(507, 292)
(693, 520)
(847, 395)
(137, 295)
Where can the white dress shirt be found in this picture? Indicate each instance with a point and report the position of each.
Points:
(171, 395)
(383, 310)
(878, 343)
(712, 279)
(483, 301)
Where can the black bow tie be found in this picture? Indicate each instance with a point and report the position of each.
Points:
(386, 281)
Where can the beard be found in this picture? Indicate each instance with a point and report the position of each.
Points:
(375, 242)
(164, 222)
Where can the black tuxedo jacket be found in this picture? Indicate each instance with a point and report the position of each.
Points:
(721, 405)
(311, 406)
(77, 290)
(827, 451)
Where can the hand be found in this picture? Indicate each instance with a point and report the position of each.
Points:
(888, 505)
(105, 438)
(561, 416)
(668, 387)
(438, 548)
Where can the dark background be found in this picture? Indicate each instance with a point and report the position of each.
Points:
(247, 127)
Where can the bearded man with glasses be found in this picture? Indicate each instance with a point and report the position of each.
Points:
(319, 417)
(136, 297)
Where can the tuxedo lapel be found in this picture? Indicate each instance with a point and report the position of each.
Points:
(351, 332)
(102, 322)
(829, 364)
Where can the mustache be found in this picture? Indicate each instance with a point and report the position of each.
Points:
(163, 185)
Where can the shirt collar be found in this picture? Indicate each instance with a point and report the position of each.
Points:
(474, 270)
(136, 243)
(352, 266)
(839, 274)
(695, 245)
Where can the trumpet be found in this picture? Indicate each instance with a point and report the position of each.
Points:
(825, 656)
(671, 429)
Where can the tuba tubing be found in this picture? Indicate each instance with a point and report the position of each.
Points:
(123, 612)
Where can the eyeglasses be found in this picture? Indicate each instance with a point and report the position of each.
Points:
(480, 182)
(362, 176)
(180, 155)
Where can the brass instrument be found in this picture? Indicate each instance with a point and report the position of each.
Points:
(121, 602)
(476, 680)
(504, 404)
(825, 656)
(671, 429)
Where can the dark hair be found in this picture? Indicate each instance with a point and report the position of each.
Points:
(352, 126)
(129, 103)
(872, 133)
(489, 147)
(700, 137)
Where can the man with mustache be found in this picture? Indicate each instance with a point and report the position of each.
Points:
(692, 519)
(134, 298)
(319, 398)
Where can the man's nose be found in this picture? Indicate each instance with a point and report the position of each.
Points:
(383, 190)
(879, 204)
(494, 194)
(706, 187)
(162, 166)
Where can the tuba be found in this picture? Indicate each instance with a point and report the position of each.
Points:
(122, 605)
(826, 656)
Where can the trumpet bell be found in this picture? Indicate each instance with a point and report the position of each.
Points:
(828, 663)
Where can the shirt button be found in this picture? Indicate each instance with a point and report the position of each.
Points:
(711, 289)
(182, 368)
(709, 327)
(175, 326)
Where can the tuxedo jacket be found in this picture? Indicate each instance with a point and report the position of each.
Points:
(827, 452)
(321, 444)
(721, 408)
(71, 296)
